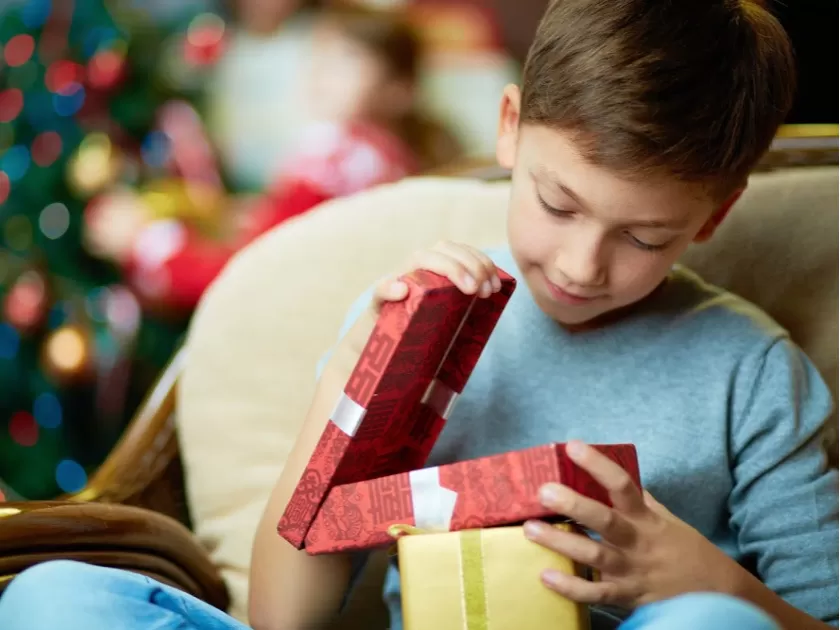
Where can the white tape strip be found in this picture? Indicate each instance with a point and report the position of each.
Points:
(441, 398)
(348, 415)
(433, 505)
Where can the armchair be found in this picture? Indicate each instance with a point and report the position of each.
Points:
(241, 384)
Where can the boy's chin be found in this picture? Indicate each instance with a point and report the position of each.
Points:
(572, 317)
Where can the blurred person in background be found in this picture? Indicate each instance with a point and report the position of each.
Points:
(254, 102)
(365, 131)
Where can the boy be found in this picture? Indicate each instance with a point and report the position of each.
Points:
(622, 152)
(634, 133)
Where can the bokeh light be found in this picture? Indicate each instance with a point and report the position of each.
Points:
(205, 39)
(5, 187)
(105, 68)
(70, 100)
(67, 350)
(9, 341)
(18, 232)
(70, 476)
(97, 38)
(23, 429)
(46, 148)
(62, 74)
(156, 149)
(35, 13)
(15, 162)
(122, 310)
(54, 220)
(95, 303)
(11, 102)
(19, 49)
(47, 410)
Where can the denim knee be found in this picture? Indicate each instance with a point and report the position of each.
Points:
(700, 611)
(27, 593)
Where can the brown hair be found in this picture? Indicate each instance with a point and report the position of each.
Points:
(692, 88)
(386, 33)
(390, 36)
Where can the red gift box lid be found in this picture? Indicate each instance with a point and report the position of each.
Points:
(416, 361)
(485, 492)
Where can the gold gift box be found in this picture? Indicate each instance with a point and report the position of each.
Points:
(483, 579)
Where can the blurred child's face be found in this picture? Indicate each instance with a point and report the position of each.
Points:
(347, 81)
(587, 241)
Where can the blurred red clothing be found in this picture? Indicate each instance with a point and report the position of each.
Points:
(171, 265)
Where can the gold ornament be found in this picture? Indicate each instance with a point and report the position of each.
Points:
(192, 202)
(95, 165)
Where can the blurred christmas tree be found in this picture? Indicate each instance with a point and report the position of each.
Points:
(82, 83)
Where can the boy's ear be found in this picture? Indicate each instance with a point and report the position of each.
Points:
(508, 133)
(711, 226)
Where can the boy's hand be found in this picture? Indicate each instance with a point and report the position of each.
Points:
(469, 269)
(646, 554)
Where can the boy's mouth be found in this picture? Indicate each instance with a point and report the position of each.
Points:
(562, 295)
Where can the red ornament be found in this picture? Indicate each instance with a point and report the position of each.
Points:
(5, 187)
(62, 74)
(46, 148)
(25, 307)
(205, 40)
(19, 49)
(11, 102)
(23, 429)
(105, 69)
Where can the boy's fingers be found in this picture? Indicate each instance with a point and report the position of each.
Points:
(441, 263)
(580, 590)
(477, 267)
(577, 547)
(390, 290)
(591, 514)
(624, 494)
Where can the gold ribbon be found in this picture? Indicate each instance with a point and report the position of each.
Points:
(473, 596)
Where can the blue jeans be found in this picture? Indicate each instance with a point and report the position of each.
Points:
(76, 596)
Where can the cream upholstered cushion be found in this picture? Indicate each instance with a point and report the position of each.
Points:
(260, 329)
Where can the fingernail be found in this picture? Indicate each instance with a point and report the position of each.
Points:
(398, 287)
(551, 577)
(575, 449)
(497, 283)
(550, 493)
(469, 282)
(486, 288)
(532, 529)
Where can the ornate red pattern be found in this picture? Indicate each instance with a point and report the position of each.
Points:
(492, 491)
(436, 327)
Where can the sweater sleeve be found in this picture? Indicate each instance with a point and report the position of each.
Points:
(784, 502)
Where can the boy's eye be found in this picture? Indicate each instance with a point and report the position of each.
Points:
(551, 209)
(648, 247)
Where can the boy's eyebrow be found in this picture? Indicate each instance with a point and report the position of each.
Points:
(668, 225)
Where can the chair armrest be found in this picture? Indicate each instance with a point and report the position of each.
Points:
(120, 536)
(144, 467)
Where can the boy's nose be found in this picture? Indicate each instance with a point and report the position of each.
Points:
(583, 265)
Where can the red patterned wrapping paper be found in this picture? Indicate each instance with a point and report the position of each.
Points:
(485, 492)
(417, 360)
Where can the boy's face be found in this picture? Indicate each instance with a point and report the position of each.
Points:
(587, 241)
